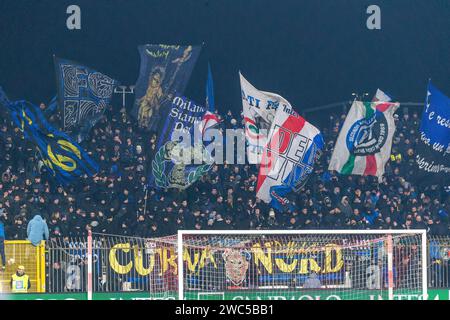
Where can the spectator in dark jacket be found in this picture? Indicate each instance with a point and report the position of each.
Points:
(113, 201)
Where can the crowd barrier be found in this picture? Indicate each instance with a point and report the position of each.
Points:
(23, 253)
(438, 262)
(128, 264)
(150, 265)
(118, 264)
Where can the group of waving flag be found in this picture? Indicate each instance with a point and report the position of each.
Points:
(282, 143)
(83, 95)
(287, 147)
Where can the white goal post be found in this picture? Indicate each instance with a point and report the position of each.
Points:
(301, 264)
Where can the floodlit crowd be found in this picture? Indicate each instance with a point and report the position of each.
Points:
(116, 201)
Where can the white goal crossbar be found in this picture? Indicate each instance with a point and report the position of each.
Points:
(389, 233)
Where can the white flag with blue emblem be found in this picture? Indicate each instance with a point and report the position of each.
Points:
(364, 144)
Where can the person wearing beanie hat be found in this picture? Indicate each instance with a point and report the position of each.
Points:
(20, 282)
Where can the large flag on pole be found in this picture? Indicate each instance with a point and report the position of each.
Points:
(259, 108)
(293, 148)
(83, 96)
(433, 148)
(64, 158)
(364, 144)
(210, 91)
(164, 73)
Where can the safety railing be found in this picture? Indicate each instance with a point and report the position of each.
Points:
(66, 261)
(23, 253)
(118, 264)
(438, 262)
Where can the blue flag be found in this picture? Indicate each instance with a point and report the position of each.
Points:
(64, 158)
(210, 91)
(164, 73)
(83, 96)
(433, 148)
(181, 158)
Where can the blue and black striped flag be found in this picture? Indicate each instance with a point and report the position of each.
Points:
(63, 157)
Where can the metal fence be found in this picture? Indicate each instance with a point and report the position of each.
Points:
(438, 262)
(137, 264)
(66, 262)
(23, 253)
(118, 264)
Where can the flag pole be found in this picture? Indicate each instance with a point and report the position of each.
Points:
(124, 90)
(145, 199)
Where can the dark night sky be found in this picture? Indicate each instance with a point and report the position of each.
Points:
(312, 52)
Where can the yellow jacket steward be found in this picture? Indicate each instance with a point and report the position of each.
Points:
(20, 283)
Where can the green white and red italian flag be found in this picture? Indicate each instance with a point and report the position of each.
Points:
(364, 143)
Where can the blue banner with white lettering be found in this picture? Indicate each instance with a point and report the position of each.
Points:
(64, 159)
(83, 96)
(164, 73)
(180, 159)
(433, 149)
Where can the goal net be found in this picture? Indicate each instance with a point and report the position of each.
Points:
(301, 264)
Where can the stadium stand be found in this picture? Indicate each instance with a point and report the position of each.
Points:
(113, 201)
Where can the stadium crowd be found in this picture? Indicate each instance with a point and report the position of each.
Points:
(113, 201)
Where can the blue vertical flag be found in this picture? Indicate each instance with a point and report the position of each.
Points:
(83, 96)
(210, 91)
(433, 147)
(63, 157)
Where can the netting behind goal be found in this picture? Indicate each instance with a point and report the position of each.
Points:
(295, 266)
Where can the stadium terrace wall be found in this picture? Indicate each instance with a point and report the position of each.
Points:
(434, 294)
